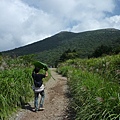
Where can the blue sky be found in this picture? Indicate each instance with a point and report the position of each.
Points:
(26, 21)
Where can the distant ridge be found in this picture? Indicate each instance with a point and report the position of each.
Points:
(50, 49)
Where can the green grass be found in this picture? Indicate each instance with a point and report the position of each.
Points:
(15, 89)
(95, 94)
(15, 85)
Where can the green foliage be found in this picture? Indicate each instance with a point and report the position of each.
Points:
(108, 66)
(94, 87)
(107, 50)
(101, 50)
(50, 49)
(41, 65)
(15, 84)
(27, 59)
(68, 54)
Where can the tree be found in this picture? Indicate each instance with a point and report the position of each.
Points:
(101, 50)
(68, 54)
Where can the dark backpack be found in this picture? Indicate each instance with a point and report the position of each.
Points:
(37, 83)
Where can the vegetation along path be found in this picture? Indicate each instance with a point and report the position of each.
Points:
(56, 101)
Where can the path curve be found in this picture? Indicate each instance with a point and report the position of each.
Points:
(56, 101)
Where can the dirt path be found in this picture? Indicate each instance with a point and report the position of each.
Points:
(56, 101)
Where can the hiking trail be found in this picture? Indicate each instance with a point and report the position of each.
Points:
(56, 101)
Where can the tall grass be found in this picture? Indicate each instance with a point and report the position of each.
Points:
(95, 94)
(15, 86)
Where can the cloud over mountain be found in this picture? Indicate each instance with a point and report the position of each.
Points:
(23, 22)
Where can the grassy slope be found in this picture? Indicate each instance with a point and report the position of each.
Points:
(15, 84)
(94, 87)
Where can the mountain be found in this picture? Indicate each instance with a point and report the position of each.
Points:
(50, 49)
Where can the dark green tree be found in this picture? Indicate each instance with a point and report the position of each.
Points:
(101, 50)
(68, 54)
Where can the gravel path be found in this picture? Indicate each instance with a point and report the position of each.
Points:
(56, 101)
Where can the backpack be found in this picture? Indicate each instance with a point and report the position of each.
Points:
(37, 83)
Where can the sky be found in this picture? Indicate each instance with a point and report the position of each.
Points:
(23, 22)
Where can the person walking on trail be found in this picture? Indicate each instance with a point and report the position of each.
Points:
(38, 88)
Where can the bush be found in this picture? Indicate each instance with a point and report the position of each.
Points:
(94, 87)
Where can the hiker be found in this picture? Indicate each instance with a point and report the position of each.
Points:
(38, 88)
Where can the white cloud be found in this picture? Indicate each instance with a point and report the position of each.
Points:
(114, 21)
(27, 21)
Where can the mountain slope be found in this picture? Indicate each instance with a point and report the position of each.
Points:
(46, 44)
(50, 49)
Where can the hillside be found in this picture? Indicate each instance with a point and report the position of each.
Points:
(49, 50)
(94, 86)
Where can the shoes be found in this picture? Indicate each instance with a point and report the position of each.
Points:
(36, 110)
(41, 109)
